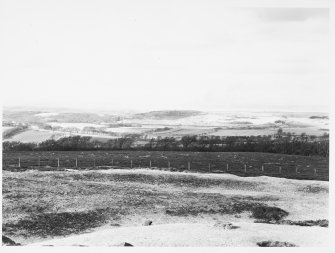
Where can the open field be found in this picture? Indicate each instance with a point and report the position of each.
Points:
(34, 136)
(242, 164)
(187, 209)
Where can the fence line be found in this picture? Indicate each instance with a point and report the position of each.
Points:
(280, 169)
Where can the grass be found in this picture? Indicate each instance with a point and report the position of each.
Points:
(292, 166)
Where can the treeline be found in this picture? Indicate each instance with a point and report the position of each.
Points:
(293, 145)
(72, 143)
(283, 143)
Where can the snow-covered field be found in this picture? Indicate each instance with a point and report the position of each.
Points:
(80, 126)
(242, 123)
(4, 128)
(35, 136)
(211, 123)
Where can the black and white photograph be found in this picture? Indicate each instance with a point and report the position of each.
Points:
(155, 123)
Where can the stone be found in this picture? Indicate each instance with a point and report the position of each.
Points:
(147, 223)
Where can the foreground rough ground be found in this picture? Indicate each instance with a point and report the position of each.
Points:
(108, 208)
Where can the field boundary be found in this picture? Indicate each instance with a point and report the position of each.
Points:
(16, 162)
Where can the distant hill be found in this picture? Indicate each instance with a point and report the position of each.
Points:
(171, 114)
(44, 117)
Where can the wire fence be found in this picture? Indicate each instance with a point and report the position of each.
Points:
(252, 168)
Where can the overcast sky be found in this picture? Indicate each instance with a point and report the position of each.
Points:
(153, 55)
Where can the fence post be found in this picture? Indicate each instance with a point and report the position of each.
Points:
(131, 164)
(245, 168)
(188, 165)
(150, 164)
(314, 172)
(94, 163)
(58, 162)
(112, 162)
(209, 167)
(227, 167)
(279, 169)
(262, 168)
(76, 162)
(19, 162)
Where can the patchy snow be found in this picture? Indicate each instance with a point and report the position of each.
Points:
(46, 114)
(197, 234)
(5, 128)
(75, 125)
(200, 230)
(35, 136)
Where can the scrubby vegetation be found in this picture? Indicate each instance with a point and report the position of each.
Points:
(44, 204)
(275, 244)
(56, 224)
(266, 213)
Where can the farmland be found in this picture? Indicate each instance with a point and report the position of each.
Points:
(178, 123)
(242, 164)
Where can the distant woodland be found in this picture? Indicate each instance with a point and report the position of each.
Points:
(282, 143)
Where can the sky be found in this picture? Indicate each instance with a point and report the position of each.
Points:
(156, 55)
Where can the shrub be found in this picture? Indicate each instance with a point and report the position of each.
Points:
(275, 244)
(268, 213)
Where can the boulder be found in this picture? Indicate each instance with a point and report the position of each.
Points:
(126, 244)
(147, 223)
